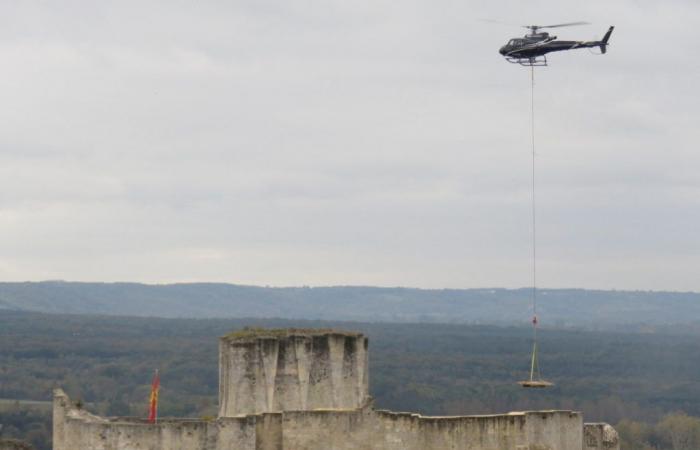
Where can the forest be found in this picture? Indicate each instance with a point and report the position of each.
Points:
(645, 383)
(592, 309)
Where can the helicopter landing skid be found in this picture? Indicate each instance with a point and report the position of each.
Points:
(538, 61)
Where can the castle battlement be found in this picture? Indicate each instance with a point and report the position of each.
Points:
(308, 390)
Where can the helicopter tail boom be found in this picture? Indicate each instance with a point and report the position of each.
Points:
(606, 38)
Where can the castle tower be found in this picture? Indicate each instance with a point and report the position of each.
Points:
(265, 370)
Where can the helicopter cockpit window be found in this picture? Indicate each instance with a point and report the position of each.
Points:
(513, 42)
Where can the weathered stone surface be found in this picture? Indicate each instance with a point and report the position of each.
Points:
(308, 390)
(359, 429)
(76, 429)
(284, 370)
(382, 430)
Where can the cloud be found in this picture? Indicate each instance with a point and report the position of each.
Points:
(270, 142)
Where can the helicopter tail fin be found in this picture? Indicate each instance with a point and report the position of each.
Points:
(606, 38)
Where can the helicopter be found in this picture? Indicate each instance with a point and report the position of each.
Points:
(531, 50)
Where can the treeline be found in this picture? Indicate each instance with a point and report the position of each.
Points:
(107, 363)
(561, 307)
(674, 432)
(26, 424)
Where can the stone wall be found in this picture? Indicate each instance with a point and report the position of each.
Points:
(292, 370)
(76, 429)
(360, 429)
(383, 430)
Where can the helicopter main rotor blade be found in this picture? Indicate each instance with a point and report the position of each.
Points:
(499, 22)
(570, 24)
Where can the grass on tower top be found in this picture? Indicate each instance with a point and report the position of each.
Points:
(258, 332)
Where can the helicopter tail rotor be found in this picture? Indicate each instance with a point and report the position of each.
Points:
(606, 38)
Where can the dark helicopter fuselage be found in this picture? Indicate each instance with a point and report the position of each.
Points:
(539, 44)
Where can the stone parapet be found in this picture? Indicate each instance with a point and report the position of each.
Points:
(360, 429)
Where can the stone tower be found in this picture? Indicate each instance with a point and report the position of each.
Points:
(263, 371)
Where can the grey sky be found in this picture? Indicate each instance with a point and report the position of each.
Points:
(327, 142)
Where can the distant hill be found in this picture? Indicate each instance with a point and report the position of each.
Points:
(560, 307)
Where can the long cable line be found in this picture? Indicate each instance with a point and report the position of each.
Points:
(535, 380)
(534, 221)
(534, 365)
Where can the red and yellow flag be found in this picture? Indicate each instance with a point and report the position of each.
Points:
(153, 410)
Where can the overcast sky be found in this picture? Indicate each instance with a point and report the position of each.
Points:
(282, 142)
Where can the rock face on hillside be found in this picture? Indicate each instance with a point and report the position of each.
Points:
(309, 390)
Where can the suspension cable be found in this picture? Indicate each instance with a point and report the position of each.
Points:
(534, 364)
